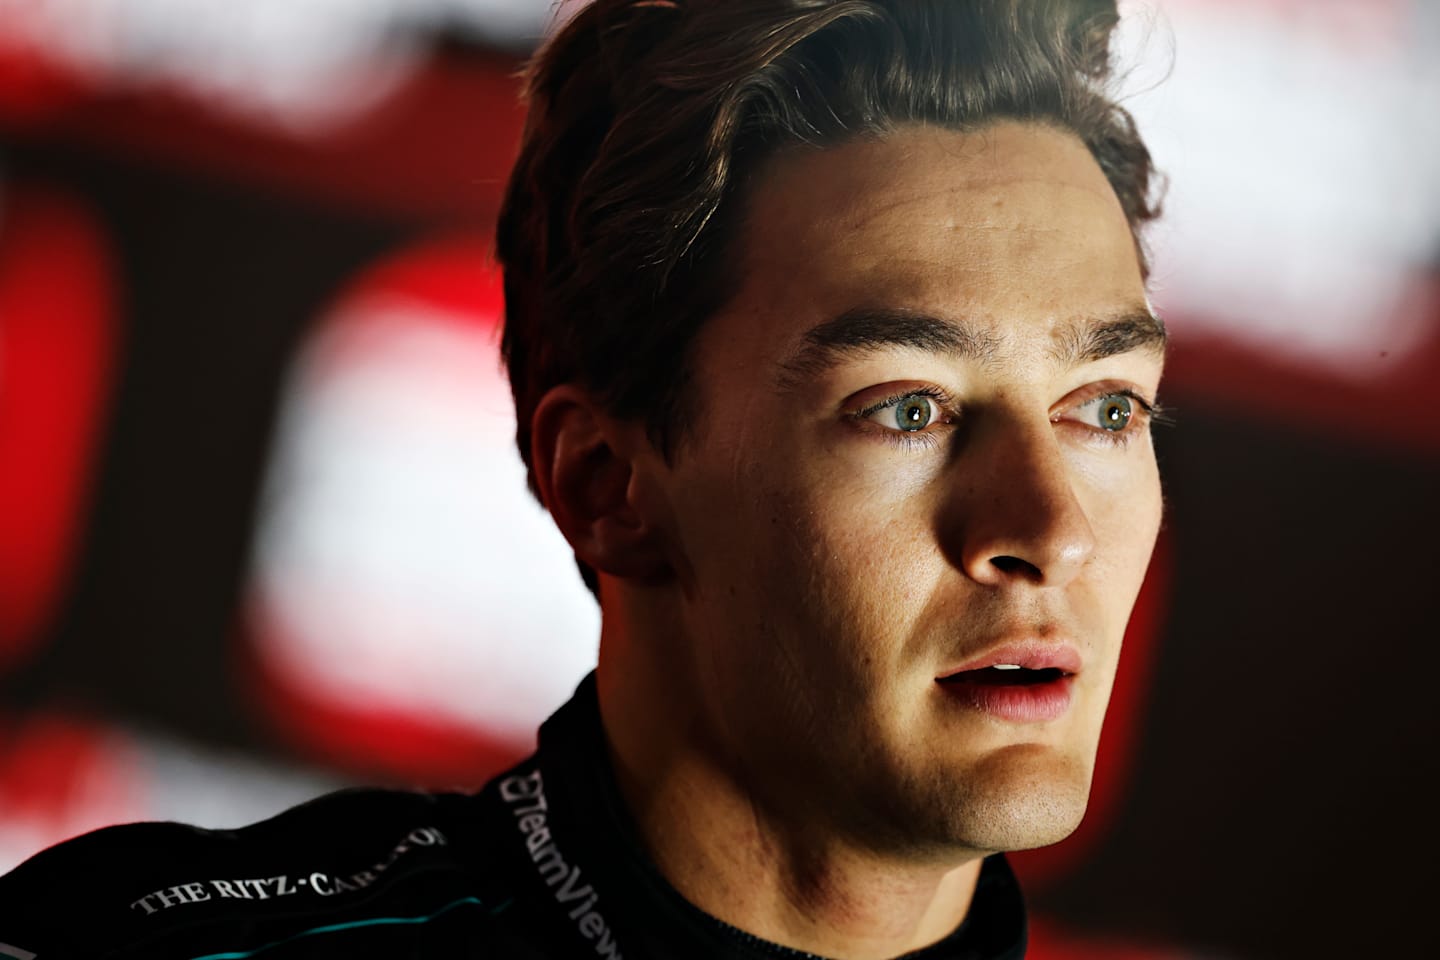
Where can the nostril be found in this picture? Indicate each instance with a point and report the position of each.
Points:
(1016, 567)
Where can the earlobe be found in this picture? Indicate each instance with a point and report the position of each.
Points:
(585, 466)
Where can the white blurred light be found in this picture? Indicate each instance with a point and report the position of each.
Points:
(217, 790)
(306, 64)
(120, 776)
(1302, 142)
(401, 561)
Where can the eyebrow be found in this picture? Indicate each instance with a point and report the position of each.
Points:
(861, 331)
(1082, 342)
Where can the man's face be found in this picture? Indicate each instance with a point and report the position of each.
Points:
(912, 457)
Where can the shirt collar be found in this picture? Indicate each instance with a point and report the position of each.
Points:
(587, 803)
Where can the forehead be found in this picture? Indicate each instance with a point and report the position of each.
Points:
(1013, 227)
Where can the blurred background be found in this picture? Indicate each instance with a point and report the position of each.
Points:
(263, 532)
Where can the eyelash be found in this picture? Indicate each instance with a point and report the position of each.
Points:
(915, 438)
(1153, 415)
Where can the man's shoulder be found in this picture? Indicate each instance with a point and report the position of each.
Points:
(344, 862)
(335, 822)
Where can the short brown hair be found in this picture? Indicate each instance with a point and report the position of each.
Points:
(647, 117)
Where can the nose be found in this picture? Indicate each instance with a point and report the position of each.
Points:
(1013, 515)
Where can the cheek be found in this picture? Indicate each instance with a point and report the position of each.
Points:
(1119, 489)
(1125, 512)
(810, 557)
(870, 568)
(739, 527)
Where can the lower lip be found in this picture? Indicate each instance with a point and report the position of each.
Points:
(1032, 703)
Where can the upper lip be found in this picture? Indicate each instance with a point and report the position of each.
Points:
(1030, 653)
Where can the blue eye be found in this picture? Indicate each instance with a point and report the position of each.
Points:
(1114, 416)
(914, 413)
(1113, 412)
(919, 416)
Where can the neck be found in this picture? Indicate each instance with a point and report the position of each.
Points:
(785, 879)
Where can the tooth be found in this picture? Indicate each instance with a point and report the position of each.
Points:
(1006, 666)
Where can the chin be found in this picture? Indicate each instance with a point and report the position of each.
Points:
(1012, 800)
(1002, 823)
(1009, 802)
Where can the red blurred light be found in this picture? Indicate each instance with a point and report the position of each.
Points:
(33, 86)
(60, 777)
(56, 334)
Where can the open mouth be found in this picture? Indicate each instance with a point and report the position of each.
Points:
(1004, 676)
(1012, 693)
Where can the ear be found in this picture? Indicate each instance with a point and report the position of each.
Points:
(585, 466)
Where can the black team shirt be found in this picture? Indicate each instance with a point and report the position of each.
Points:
(542, 862)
